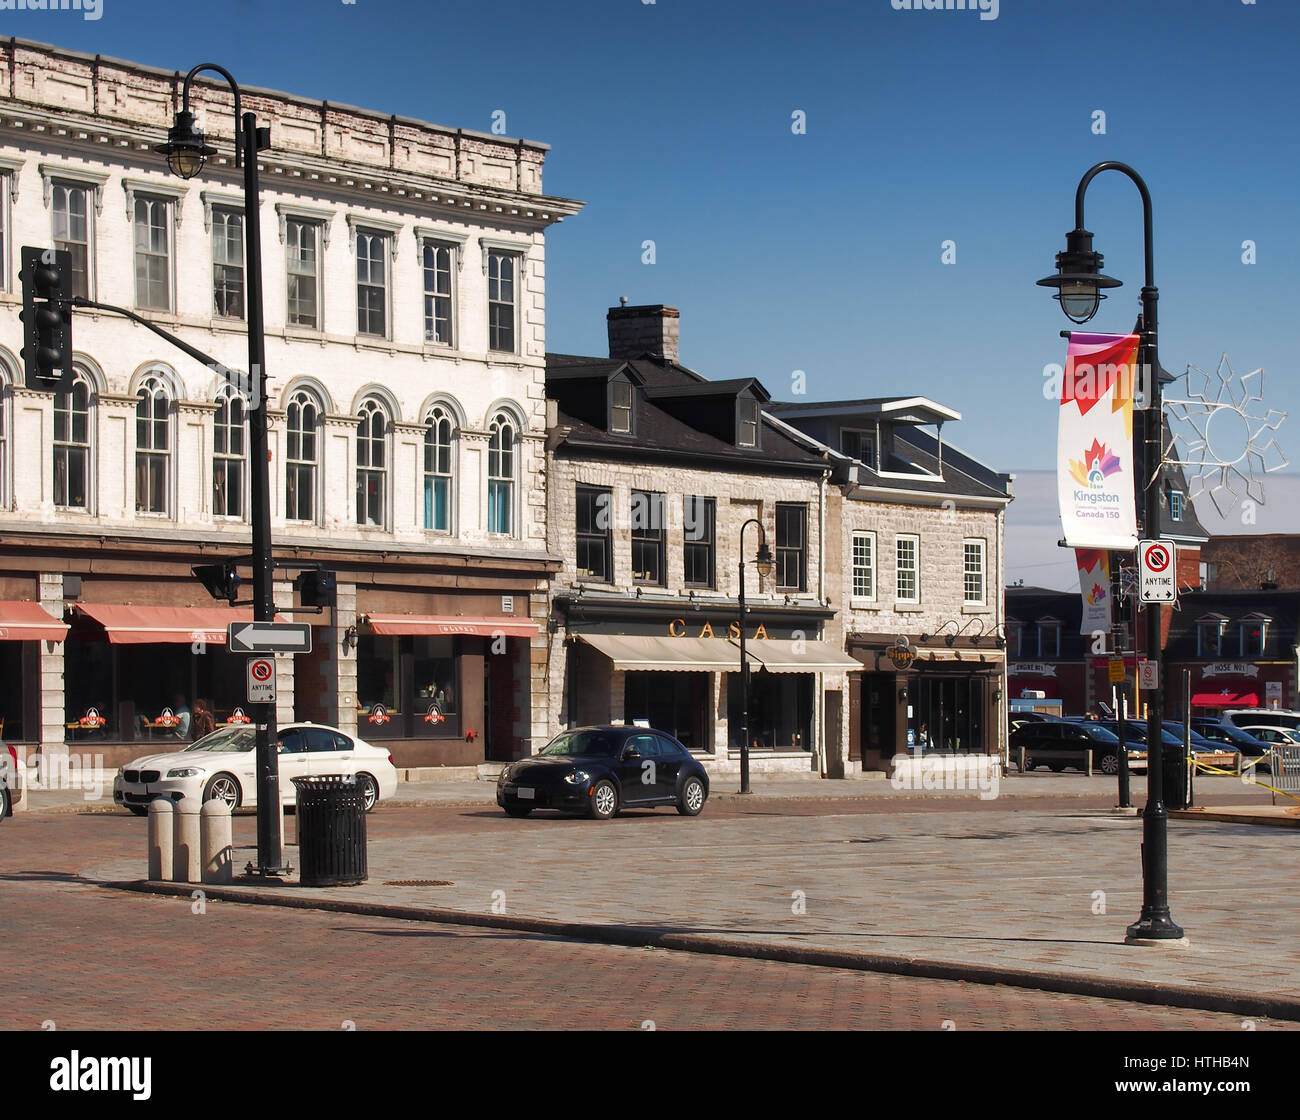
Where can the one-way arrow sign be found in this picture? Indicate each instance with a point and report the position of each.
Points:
(268, 637)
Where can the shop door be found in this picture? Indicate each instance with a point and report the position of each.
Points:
(498, 701)
(832, 735)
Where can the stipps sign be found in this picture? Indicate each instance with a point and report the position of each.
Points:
(1156, 583)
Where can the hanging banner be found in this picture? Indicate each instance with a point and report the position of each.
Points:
(1094, 586)
(1094, 462)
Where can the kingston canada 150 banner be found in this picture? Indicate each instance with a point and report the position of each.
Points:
(1094, 461)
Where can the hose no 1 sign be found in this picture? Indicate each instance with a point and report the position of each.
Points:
(261, 680)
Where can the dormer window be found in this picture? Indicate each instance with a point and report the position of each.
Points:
(1049, 638)
(1209, 636)
(1254, 636)
(746, 422)
(859, 445)
(620, 408)
(1175, 505)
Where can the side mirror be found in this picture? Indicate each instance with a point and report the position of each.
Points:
(630, 753)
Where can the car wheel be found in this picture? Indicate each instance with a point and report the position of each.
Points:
(139, 810)
(1056, 767)
(692, 800)
(1110, 764)
(603, 800)
(4, 803)
(223, 787)
(369, 792)
(516, 811)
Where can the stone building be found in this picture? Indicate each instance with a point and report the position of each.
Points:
(653, 476)
(405, 335)
(915, 574)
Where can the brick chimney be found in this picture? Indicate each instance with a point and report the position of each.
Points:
(637, 331)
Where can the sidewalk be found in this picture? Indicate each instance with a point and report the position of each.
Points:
(1032, 898)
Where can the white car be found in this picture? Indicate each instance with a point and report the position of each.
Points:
(1274, 737)
(224, 765)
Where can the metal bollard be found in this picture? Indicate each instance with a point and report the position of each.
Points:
(186, 854)
(218, 853)
(161, 826)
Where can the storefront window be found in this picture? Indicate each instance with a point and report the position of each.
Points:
(11, 698)
(677, 703)
(407, 687)
(947, 713)
(780, 711)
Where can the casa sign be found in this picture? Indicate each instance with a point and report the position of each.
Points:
(677, 629)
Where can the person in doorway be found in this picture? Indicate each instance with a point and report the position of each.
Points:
(202, 722)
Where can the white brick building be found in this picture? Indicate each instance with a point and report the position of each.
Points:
(404, 272)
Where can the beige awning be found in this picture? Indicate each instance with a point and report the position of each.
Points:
(789, 655)
(646, 652)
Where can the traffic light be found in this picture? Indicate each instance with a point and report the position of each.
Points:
(47, 319)
(316, 588)
(221, 580)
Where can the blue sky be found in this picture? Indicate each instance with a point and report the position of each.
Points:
(822, 251)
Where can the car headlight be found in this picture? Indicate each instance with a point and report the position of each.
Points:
(185, 772)
(504, 776)
(577, 778)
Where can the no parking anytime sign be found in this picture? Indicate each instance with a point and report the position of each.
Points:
(261, 680)
(1156, 572)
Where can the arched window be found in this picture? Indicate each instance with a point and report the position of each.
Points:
(6, 446)
(228, 447)
(152, 446)
(501, 475)
(301, 465)
(73, 424)
(438, 468)
(372, 464)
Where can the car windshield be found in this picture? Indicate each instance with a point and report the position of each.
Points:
(583, 744)
(1100, 734)
(227, 739)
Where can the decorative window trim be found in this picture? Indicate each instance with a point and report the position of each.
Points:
(360, 224)
(52, 173)
(915, 538)
(216, 200)
(873, 567)
(983, 544)
(314, 214)
(149, 188)
(497, 245)
(445, 237)
(11, 167)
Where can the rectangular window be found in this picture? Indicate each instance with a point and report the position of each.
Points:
(4, 231)
(1254, 635)
(372, 284)
(907, 550)
(858, 444)
(302, 263)
(864, 565)
(1175, 505)
(228, 458)
(501, 301)
(595, 534)
(72, 231)
(228, 264)
(648, 537)
(699, 525)
(791, 545)
(1209, 639)
(153, 283)
(1049, 639)
(973, 572)
(620, 407)
(438, 313)
(746, 422)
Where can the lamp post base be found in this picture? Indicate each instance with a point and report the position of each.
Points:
(1154, 930)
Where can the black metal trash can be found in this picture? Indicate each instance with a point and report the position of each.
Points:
(1173, 772)
(331, 831)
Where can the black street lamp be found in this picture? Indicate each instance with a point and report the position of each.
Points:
(1079, 283)
(763, 562)
(186, 154)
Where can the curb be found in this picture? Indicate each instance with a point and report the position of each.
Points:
(659, 937)
(1219, 815)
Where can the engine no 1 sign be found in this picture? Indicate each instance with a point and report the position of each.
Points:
(1156, 572)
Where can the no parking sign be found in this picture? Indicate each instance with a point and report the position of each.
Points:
(1156, 572)
(261, 680)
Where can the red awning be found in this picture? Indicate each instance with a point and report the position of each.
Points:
(397, 624)
(134, 626)
(29, 622)
(1225, 700)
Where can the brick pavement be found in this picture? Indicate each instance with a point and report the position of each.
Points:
(1001, 892)
(87, 958)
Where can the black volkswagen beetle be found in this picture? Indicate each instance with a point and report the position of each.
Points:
(600, 770)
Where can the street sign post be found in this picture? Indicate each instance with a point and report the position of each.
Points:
(1156, 572)
(268, 637)
(261, 680)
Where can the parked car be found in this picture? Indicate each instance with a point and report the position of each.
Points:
(224, 765)
(1246, 744)
(1019, 719)
(600, 770)
(1263, 717)
(1273, 737)
(11, 780)
(1058, 744)
(1220, 755)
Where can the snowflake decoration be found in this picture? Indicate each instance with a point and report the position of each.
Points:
(1227, 438)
